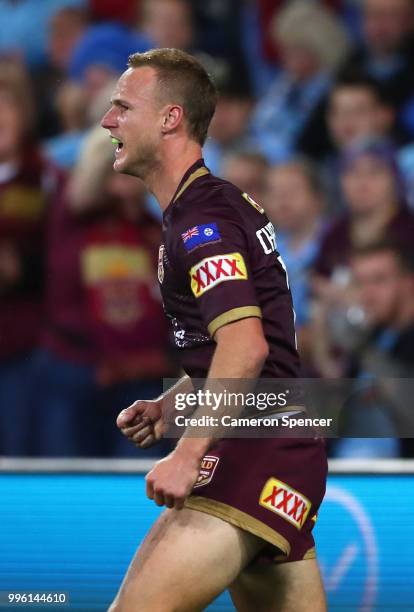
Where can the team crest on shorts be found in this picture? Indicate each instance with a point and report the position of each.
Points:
(280, 498)
(161, 264)
(207, 469)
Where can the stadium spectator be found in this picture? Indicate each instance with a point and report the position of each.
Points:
(375, 209)
(267, 10)
(313, 44)
(63, 149)
(227, 131)
(247, 170)
(28, 184)
(65, 29)
(294, 202)
(24, 25)
(355, 110)
(105, 343)
(387, 48)
(172, 24)
(101, 54)
(168, 23)
(218, 28)
(384, 276)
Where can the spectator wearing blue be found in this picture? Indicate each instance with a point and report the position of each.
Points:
(294, 201)
(24, 27)
(227, 133)
(313, 44)
(247, 170)
(102, 54)
(375, 209)
(386, 51)
(383, 274)
(66, 27)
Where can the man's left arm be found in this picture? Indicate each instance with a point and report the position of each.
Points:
(240, 355)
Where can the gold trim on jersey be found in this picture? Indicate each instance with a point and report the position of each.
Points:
(239, 519)
(195, 175)
(235, 314)
(310, 554)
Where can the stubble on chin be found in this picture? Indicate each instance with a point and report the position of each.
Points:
(144, 163)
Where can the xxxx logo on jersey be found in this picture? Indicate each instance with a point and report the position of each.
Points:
(278, 497)
(212, 271)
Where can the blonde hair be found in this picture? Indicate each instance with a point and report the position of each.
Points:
(315, 28)
(182, 79)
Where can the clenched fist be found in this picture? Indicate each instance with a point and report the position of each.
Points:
(142, 422)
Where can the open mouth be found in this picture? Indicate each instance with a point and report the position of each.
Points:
(119, 143)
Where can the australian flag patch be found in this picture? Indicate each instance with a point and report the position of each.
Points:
(199, 235)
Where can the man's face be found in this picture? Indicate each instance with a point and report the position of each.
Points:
(248, 175)
(135, 119)
(169, 23)
(355, 114)
(369, 185)
(382, 286)
(289, 202)
(387, 23)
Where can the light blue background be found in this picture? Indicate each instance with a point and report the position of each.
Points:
(77, 533)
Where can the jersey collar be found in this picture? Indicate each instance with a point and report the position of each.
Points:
(193, 173)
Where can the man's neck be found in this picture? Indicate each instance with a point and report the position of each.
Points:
(174, 162)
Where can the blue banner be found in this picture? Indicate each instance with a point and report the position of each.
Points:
(77, 533)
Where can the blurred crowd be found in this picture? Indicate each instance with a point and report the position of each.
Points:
(315, 121)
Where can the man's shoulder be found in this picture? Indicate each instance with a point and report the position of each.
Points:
(211, 196)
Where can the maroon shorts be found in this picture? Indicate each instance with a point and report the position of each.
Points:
(269, 487)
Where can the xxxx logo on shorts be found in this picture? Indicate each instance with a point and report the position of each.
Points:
(207, 469)
(212, 271)
(278, 497)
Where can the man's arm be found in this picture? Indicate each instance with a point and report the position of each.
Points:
(87, 184)
(241, 352)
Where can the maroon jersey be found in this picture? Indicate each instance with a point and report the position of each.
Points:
(218, 264)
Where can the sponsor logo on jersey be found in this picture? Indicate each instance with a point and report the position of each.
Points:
(267, 238)
(212, 271)
(280, 498)
(207, 469)
(161, 264)
(255, 205)
(200, 235)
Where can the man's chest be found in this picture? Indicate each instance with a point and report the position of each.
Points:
(174, 285)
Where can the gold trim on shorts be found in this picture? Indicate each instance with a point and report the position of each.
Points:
(235, 314)
(238, 519)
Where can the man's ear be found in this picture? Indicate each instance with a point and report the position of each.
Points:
(172, 118)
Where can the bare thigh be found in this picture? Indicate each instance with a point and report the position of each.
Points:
(187, 559)
(284, 587)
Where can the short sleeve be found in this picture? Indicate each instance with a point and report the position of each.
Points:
(213, 254)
